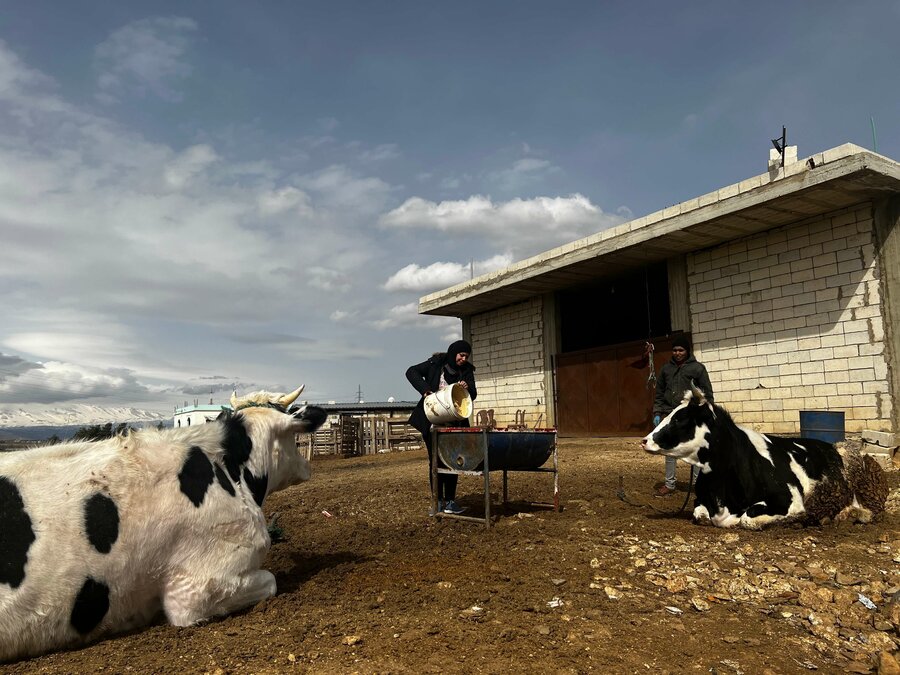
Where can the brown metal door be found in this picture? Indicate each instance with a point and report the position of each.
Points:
(572, 400)
(636, 400)
(604, 391)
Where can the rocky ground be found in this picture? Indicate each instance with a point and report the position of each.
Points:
(368, 583)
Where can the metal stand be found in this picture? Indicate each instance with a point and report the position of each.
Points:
(485, 473)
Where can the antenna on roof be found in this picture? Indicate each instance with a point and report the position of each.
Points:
(780, 144)
(874, 138)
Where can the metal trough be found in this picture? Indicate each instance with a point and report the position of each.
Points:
(462, 449)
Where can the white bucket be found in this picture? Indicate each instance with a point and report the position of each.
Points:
(448, 405)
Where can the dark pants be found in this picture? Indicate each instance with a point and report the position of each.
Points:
(446, 481)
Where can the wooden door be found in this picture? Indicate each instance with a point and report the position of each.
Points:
(571, 385)
(604, 391)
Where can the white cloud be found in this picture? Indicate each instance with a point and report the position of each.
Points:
(16, 75)
(380, 153)
(67, 336)
(329, 279)
(272, 202)
(339, 315)
(452, 336)
(145, 57)
(53, 381)
(408, 316)
(522, 174)
(328, 124)
(124, 254)
(187, 165)
(442, 274)
(341, 188)
(523, 226)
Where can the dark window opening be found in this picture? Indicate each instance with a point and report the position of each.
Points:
(616, 310)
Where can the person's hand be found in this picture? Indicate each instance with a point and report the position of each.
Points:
(463, 384)
(656, 421)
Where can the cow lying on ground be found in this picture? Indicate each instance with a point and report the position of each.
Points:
(752, 480)
(99, 537)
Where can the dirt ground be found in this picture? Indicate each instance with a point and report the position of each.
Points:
(604, 585)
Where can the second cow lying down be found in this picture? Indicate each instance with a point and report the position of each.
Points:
(100, 537)
(751, 480)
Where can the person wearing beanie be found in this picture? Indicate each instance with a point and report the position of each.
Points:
(676, 377)
(435, 374)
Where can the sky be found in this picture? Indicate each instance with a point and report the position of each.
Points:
(197, 197)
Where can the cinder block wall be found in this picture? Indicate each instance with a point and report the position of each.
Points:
(791, 320)
(507, 350)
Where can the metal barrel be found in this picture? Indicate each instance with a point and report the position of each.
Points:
(823, 425)
(463, 449)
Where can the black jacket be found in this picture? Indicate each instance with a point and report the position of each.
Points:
(675, 379)
(426, 377)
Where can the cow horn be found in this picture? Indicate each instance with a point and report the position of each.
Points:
(287, 399)
(234, 400)
(698, 393)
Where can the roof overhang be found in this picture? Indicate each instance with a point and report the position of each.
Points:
(825, 182)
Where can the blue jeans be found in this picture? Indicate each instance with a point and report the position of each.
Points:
(670, 472)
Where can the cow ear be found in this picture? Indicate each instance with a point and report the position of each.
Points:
(287, 399)
(698, 394)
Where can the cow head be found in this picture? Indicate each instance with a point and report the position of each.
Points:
(271, 423)
(684, 432)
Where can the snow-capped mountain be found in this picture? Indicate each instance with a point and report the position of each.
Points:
(77, 414)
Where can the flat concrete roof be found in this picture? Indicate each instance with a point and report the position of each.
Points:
(827, 181)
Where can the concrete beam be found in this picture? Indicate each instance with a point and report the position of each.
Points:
(887, 235)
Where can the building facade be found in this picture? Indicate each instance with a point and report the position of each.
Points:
(788, 284)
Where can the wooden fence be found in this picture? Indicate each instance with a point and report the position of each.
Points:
(366, 435)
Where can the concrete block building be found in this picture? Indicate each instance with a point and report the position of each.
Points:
(788, 284)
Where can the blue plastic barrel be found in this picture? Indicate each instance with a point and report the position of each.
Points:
(825, 425)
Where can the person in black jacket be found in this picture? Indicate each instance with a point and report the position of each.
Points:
(433, 375)
(676, 377)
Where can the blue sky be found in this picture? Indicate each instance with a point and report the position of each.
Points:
(196, 195)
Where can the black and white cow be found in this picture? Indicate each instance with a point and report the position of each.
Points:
(98, 538)
(751, 480)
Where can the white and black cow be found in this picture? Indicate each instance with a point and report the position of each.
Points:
(100, 537)
(751, 480)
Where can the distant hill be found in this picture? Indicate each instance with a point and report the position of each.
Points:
(38, 433)
(78, 414)
(63, 422)
(64, 432)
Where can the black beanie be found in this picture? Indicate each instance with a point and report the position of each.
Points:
(682, 341)
(456, 348)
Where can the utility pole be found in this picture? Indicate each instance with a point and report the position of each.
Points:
(359, 393)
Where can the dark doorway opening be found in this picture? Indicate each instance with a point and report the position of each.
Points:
(603, 371)
(625, 308)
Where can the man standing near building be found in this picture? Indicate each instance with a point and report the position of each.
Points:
(675, 378)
